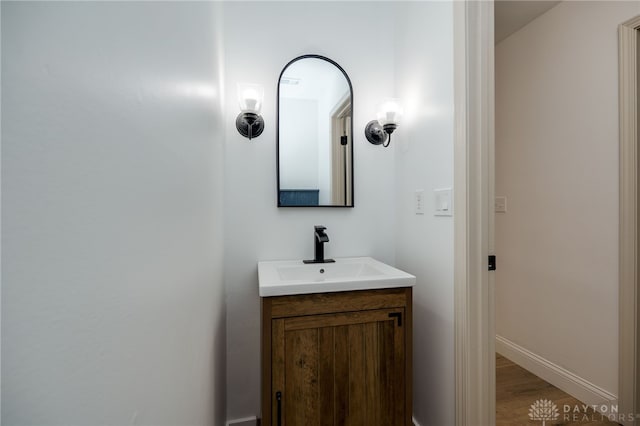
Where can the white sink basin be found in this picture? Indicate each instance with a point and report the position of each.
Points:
(281, 278)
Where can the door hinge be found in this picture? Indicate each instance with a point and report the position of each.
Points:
(492, 262)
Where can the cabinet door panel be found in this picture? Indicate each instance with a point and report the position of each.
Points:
(301, 394)
(341, 375)
(342, 318)
(357, 385)
(326, 377)
(339, 370)
(278, 365)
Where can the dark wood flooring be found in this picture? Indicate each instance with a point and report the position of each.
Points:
(517, 389)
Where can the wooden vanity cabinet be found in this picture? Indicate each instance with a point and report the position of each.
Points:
(337, 359)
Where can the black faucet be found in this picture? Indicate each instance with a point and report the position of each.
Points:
(319, 238)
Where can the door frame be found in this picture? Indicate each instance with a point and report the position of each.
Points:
(628, 362)
(473, 222)
(340, 156)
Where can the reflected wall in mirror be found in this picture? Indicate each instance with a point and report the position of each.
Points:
(314, 134)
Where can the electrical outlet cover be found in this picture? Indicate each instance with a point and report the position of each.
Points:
(501, 204)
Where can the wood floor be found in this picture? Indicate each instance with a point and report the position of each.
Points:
(517, 389)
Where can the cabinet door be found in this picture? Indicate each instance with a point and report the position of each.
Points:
(339, 369)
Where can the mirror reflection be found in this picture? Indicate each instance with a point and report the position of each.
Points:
(314, 147)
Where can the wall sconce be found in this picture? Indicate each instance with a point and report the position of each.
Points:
(378, 132)
(249, 122)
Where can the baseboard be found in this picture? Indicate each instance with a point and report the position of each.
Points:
(247, 421)
(574, 385)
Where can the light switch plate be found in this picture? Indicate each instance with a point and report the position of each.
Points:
(501, 204)
(443, 202)
(419, 201)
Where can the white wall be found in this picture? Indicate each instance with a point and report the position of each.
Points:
(557, 162)
(112, 293)
(299, 144)
(424, 160)
(255, 228)
(112, 302)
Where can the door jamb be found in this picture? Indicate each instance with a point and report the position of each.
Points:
(473, 187)
(628, 367)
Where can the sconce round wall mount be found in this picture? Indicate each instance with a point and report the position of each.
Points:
(378, 132)
(249, 125)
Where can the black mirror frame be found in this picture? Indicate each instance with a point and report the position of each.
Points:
(346, 76)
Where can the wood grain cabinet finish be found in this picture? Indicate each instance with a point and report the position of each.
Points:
(337, 359)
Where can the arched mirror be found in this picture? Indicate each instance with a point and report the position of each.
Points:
(314, 134)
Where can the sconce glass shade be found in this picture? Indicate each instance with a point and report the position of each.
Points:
(389, 112)
(250, 98)
(378, 132)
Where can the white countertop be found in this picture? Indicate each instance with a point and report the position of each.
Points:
(288, 277)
